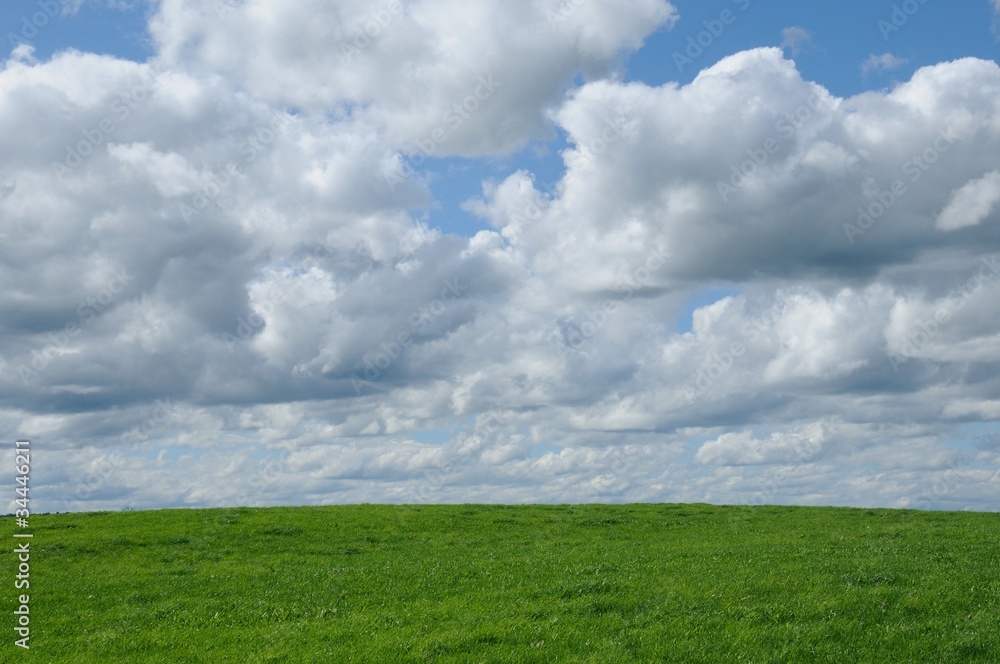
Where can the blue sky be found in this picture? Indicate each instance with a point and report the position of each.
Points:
(640, 337)
(93, 27)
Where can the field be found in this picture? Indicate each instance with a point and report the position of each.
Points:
(480, 583)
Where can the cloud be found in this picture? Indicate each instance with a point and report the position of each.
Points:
(881, 63)
(318, 56)
(73, 6)
(203, 232)
(668, 168)
(23, 52)
(741, 449)
(797, 39)
(973, 203)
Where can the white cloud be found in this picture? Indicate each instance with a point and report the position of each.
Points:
(972, 204)
(348, 56)
(796, 39)
(669, 174)
(170, 174)
(741, 449)
(23, 52)
(881, 63)
(295, 310)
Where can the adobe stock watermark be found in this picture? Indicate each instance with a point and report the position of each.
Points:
(250, 149)
(560, 14)
(582, 159)
(266, 474)
(215, 184)
(718, 364)
(255, 321)
(943, 485)
(914, 167)
(105, 466)
(452, 119)
(616, 462)
(224, 7)
(537, 204)
(31, 25)
(786, 127)
(86, 311)
(805, 450)
(22, 515)
(714, 28)
(470, 452)
(900, 16)
(378, 360)
(322, 251)
(532, 210)
(369, 30)
(127, 102)
(570, 336)
(927, 330)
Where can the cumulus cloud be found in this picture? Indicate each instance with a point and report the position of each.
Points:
(741, 449)
(215, 260)
(972, 203)
(455, 74)
(672, 168)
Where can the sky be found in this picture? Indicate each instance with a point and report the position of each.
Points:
(562, 251)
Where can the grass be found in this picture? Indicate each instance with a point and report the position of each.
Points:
(480, 583)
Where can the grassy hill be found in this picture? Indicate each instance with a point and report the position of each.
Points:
(478, 583)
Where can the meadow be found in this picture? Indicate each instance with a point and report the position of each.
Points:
(493, 583)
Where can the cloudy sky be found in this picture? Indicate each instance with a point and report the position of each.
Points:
(309, 252)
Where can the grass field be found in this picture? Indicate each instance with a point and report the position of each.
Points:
(477, 583)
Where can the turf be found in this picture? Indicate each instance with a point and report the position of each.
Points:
(480, 583)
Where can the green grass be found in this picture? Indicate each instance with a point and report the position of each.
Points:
(476, 583)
